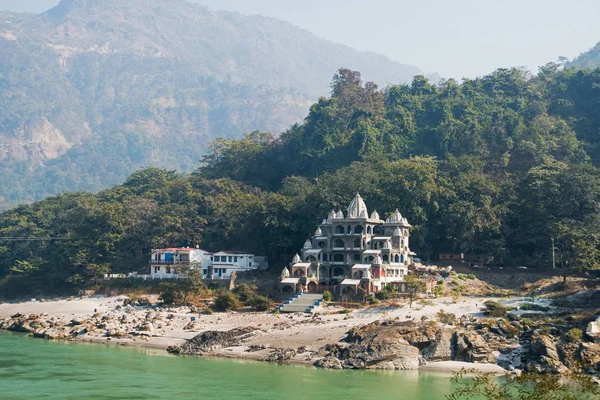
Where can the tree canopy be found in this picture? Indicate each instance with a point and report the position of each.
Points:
(496, 166)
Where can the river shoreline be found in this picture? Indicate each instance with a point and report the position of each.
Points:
(107, 321)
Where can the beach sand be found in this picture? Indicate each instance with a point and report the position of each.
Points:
(276, 330)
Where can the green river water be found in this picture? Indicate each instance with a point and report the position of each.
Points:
(39, 369)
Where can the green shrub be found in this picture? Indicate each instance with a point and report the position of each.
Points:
(226, 301)
(533, 307)
(446, 318)
(471, 276)
(344, 311)
(574, 335)
(327, 296)
(260, 303)
(438, 290)
(382, 295)
(246, 292)
(495, 309)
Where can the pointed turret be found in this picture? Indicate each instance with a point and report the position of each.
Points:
(375, 215)
(357, 208)
(307, 244)
(296, 259)
(318, 232)
(285, 273)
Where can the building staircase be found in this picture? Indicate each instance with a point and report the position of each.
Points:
(302, 303)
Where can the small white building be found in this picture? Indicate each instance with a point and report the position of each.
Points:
(223, 263)
(164, 263)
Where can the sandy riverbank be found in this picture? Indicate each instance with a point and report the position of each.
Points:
(171, 326)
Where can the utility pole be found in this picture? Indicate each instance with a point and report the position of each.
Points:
(553, 258)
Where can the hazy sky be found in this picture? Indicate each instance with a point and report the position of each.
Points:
(452, 37)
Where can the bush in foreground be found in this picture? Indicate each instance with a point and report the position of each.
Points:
(226, 301)
(495, 309)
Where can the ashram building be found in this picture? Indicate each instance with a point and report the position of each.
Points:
(166, 263)
(352, 253)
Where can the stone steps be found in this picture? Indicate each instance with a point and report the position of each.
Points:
(306, 302)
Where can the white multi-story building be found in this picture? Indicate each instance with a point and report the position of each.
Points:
(223, 263)
(355, 253)
(166, 263)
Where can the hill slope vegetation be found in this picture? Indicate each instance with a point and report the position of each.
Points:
(95, 89)
(496, 165)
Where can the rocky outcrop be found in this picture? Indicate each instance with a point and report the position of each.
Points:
(210, 341)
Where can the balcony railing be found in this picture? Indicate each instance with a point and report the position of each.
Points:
(169, 262)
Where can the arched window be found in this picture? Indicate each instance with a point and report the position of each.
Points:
(311, 259)
(397, 258)
(338, 243)
(322, 245)
(356, 257)
(402, 259)
(338, 272)
(369, 259)
(339, 229)
(358, 229)
(369, 230)
(385, 258)
(338, 258)
(357, 243)
(349, 229)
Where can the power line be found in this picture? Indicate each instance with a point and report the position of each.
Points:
(33, 239)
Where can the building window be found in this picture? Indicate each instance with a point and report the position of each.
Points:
(168, 270)
(224, 270)
(235, 259)
(204, 271)
(212, 259)
(338, 258)
(230, 259)
(156, 270)
(339, 229)
(358, 229)
(249, 264)
(338, 243)
(357, 243)
(356, 257)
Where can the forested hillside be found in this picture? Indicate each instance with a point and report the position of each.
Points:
(94, 89)
(590, 59)
(496, 165)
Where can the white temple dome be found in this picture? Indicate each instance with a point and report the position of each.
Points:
(339, 215)
(357, 208)
(386, 245)
(307, 244)
(331, 215)
(397, 232)
(324, 222)
(285, 273)
(318, 232)
(296, 259)
(396, 217)
(375, 215)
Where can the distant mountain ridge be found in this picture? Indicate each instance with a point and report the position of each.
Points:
(94, 89)
(590, 59)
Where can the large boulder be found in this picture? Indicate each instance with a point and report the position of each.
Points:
(210, 341)
(542, 356)
(471, 347)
